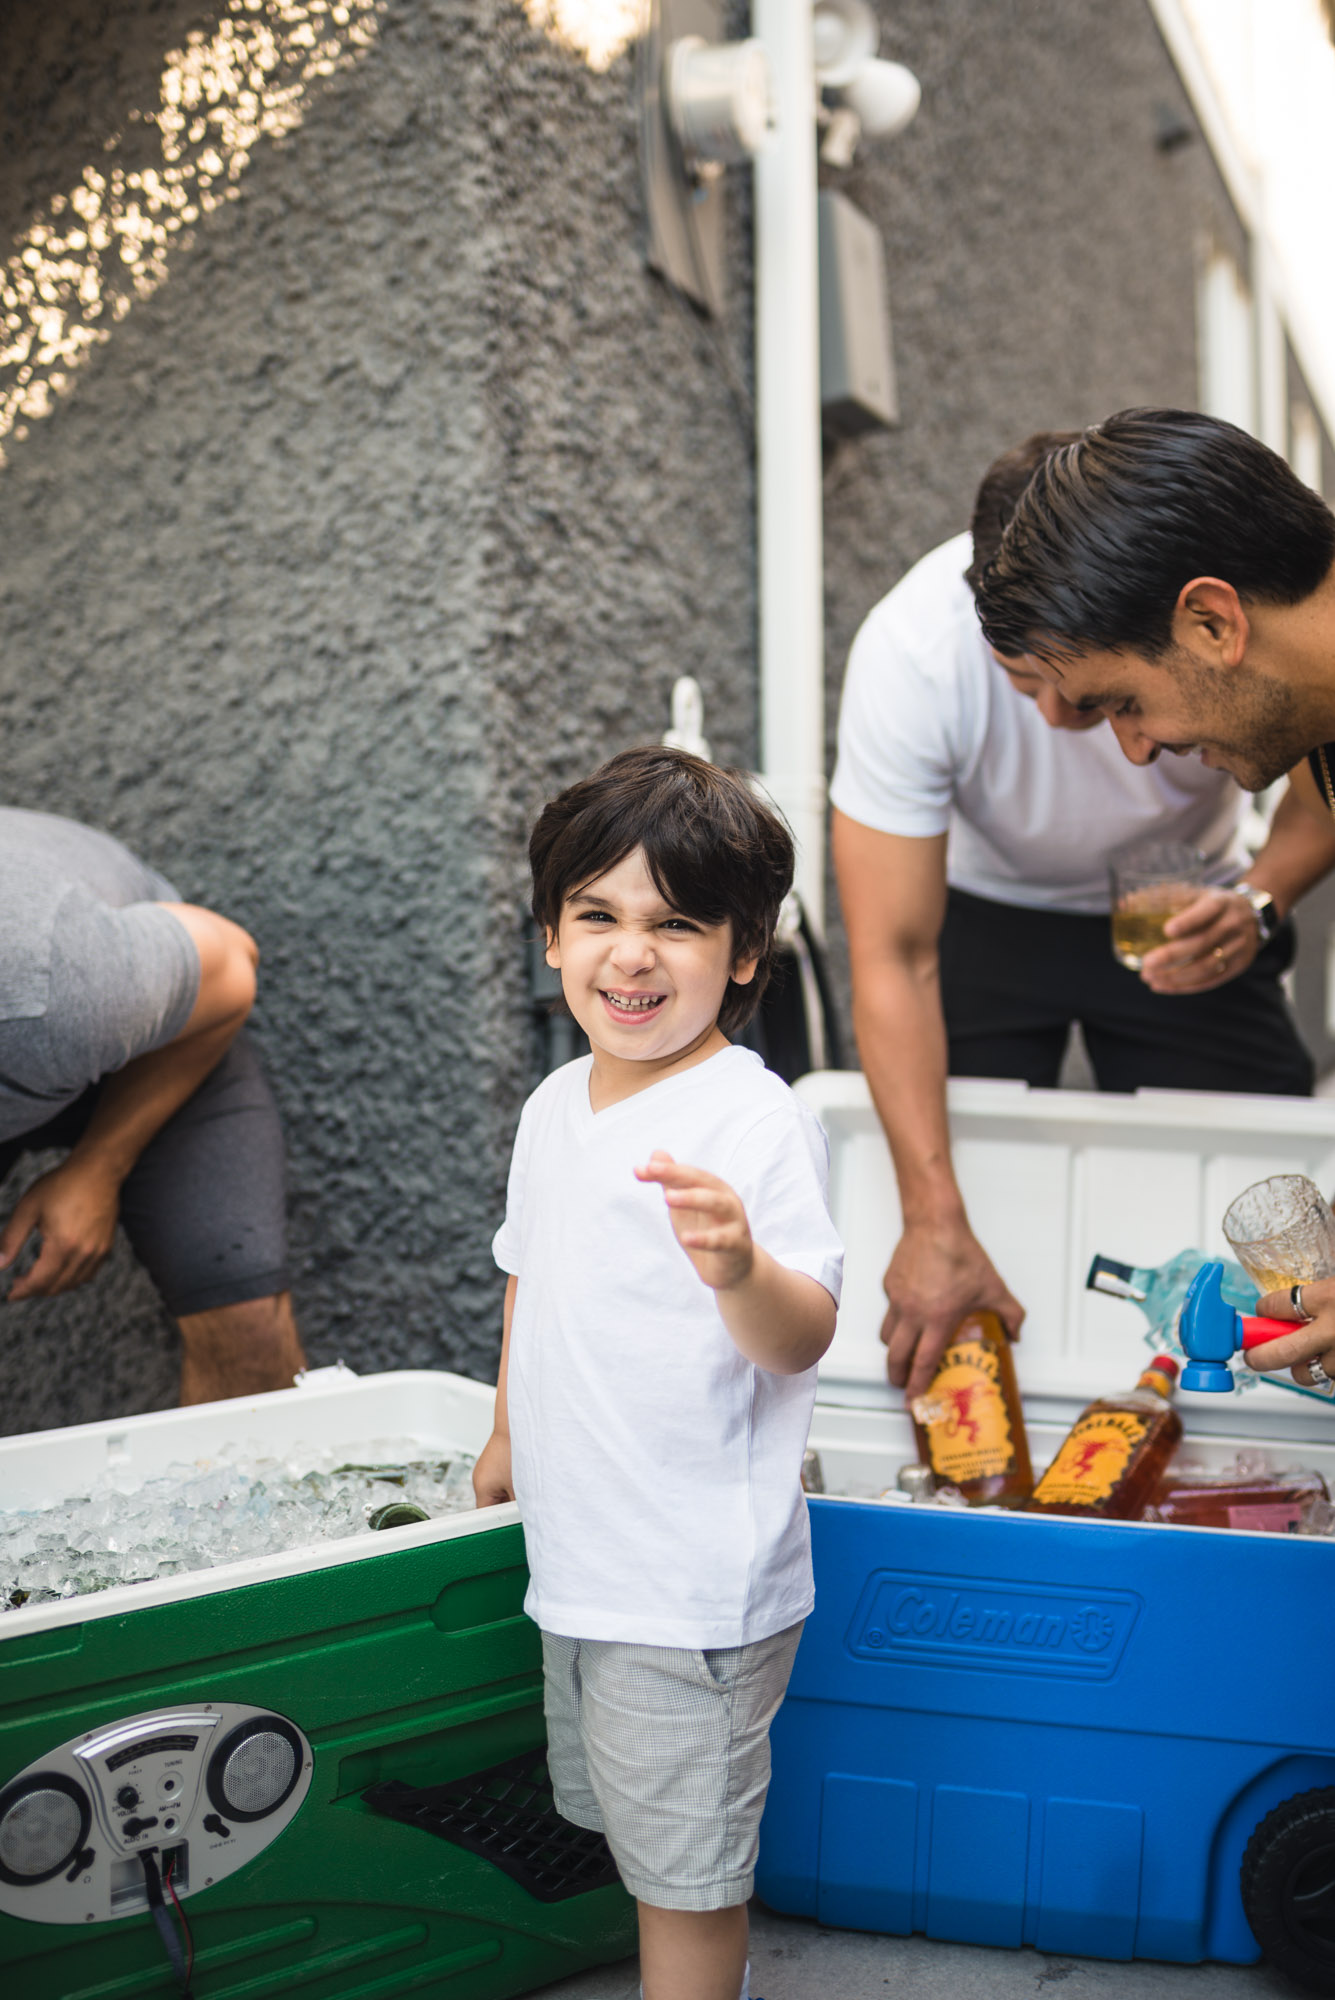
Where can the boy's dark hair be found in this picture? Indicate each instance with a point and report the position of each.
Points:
(714, 851)
(1110, 528)
(999, 493)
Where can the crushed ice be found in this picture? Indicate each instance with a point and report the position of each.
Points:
(242, 1502)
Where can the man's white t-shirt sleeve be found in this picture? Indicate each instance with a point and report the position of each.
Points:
(897, 761)
(781, 1171)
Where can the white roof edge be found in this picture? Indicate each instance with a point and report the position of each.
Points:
(1247, 195)
(1240, 178)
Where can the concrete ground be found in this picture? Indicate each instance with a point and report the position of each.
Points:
(792, 1959)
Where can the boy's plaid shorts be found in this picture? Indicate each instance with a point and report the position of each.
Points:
(666, 1751)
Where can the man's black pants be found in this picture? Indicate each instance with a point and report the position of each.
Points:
(1013, 980)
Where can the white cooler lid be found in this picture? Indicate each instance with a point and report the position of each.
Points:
(1052, 1178)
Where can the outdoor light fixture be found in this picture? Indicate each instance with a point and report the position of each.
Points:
(845, 35)
(874, 99)
(720, 100)
(705, 103)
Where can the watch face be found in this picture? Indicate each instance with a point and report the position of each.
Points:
(1263, 903)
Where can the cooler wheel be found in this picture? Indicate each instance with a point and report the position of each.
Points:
(1288, 1888)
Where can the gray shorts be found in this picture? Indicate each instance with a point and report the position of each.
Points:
(666, 1751)
(204, 1205)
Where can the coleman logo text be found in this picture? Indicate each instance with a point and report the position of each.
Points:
(957, 1621)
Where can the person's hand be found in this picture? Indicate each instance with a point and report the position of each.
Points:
(939, 1273)
(493, 1482)
(1214, 939)
(708, 1221)
(73, 1209)
(1314, 1341)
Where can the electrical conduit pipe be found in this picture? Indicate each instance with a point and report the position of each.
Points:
(788, 460)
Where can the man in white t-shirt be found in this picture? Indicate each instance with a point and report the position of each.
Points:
(975, 811)
(673, 1277)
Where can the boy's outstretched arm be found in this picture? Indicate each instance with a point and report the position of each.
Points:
(492, 1482)
(780, 1319)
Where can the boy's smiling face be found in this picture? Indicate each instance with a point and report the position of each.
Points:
(644, 982)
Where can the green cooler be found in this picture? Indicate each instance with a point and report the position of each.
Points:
(227, 1724)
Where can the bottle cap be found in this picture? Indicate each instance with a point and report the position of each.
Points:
(1107, 1275)
(1166, 1363)
(918, 1480)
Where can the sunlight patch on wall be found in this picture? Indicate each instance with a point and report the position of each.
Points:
(598, 30)
(93, 251)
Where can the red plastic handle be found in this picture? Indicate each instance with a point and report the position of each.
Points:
(1255, 1332)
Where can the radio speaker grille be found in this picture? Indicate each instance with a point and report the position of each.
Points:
(255, 1768)
(43, 1823)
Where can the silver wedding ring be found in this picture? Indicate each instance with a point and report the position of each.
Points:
(1296, 1301)
(1320, 1379)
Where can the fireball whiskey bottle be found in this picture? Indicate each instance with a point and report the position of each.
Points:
(1115, 1453)
(969, 1425)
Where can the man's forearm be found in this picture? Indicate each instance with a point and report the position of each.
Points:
(73, 1208)
(1298, 853)
(902, 1044)
(134, 1103)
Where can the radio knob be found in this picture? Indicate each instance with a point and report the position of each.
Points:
(127, 1797)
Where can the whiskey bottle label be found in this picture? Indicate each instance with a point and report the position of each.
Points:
(964, 1414)
(1093, 1460)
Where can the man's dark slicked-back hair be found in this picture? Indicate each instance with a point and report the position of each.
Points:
(715, 852)
(1112, 527)
(999, 493)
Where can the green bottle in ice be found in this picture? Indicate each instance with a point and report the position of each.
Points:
(1160, 1289)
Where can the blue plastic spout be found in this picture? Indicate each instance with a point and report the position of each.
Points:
(1210, 1331)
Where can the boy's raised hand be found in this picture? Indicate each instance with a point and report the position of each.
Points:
(708, 1220)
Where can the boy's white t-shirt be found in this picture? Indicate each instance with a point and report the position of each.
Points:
(932, 735)
(657, 1470)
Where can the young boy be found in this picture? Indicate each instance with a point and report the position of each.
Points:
(663, 1321)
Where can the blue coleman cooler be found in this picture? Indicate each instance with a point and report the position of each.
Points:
(1008, 1729)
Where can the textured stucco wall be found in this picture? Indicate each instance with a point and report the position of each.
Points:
(407, 494)
(1041, 257)
(402, 500)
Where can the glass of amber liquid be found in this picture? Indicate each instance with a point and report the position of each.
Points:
(1282, 1232)
(1150, 884)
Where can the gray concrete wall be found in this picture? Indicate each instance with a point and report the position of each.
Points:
(406, 494)
(401, 501)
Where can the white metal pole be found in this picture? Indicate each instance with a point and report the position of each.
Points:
(788, 500)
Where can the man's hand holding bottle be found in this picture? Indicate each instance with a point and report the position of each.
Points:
(938, 1274)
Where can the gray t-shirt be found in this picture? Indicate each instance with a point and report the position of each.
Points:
(92, 971)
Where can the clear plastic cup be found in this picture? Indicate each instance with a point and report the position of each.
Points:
(1150, 884)
(1282, 1232)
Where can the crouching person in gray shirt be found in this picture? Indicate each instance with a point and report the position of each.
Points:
(121, 1011)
